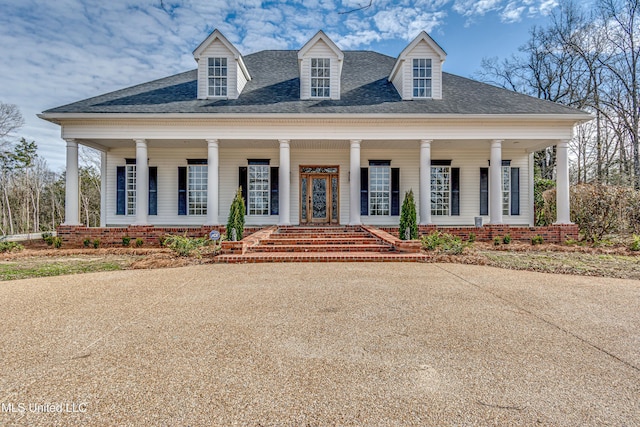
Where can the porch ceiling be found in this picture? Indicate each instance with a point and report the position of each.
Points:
(526, 145)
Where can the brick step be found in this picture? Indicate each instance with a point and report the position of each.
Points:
(318, 230)
(320, 257)
(318, 237)
(318, 240)
(322, 248)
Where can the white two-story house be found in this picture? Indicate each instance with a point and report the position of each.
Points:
(315, 136)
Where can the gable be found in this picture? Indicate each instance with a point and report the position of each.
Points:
(320, 47)
(423, 47)
(217, 47)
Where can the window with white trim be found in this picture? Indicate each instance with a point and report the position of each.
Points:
(422, 78)
(440, 190)
(258, 193)
(217, 75)
(320, 77)
(131, 189)
(197, 179)
(379, 190)
(506, 190)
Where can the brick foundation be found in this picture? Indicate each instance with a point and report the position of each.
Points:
(558, 233)
(112, 236)
(73, 235)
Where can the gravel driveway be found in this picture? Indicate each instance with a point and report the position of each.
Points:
(320, 344)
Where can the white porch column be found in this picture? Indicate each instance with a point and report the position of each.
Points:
(425, 182)
(562, 184)
(284, 182)
(103, 189)
(71, 196)
(142, 183)
(354, 183)
(212, 182)
(495, 183)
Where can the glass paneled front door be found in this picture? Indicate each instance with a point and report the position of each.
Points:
(318, 195)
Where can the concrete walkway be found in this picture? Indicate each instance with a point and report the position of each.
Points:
(320, 344)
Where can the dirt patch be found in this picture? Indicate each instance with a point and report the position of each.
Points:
(164, 260)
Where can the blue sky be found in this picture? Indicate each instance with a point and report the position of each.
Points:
(57, 52)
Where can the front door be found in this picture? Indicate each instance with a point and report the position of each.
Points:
(318, 195)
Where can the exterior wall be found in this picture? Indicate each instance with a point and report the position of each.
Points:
(218, 50)
(167, 160)
(319, 50)
(242, 80)
(422, 50)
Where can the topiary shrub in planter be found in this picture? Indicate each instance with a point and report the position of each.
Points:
(236, 217)
(408, 218)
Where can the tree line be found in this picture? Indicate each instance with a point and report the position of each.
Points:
(587, 59)
(31, 194)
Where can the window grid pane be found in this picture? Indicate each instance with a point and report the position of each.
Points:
(440, 190)
(320, 77)
(217, 76)
(506, 190)
(379, 190)
(197, 189)
(258, 190)
(422, 78)
(131, 189)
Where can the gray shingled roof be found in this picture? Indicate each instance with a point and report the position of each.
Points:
(275, 88)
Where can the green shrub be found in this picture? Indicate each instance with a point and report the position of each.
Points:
(497, 240)
(57, 242)
(48, 238)
(635, 244)
(185, 246)
(444, 243)
(126, 241)
(506, 239)
(162, 241)
(408, 218)
(139, 242)
(86, 242)
(236, 217)
(537, 240)
(472, 237)
(96, 243)
(10, 246)
(543, 214)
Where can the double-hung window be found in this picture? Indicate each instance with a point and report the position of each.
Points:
(440, 190)
(506, 190)
(197, 180)
(379, 189)
(131, 189)
(422, 78)
(217, 75)
(320, 77)
(259, 188)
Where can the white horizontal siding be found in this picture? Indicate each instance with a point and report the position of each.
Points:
(167, 160)
(242, 80)
(422, 50)
(319, 50)
(217, 49)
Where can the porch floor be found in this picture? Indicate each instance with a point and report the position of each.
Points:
(322, 244)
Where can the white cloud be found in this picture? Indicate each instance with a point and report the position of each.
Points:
(407, 23)
(476, 7)
(512, 13)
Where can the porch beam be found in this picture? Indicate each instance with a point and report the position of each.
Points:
(284, 182)
(562, 184)
(495, 183)
(354, 183)
(142, 183)
(71, 195)
(213, 168)
(425, 182)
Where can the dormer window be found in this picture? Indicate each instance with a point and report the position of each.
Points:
(320, 78)
(422, 78)
(217, 77)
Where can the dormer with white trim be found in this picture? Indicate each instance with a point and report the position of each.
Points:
(222, 73)
(417, 73)
(320, 63)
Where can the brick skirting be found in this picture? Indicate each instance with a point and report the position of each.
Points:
(75, 235)
(557, 233)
